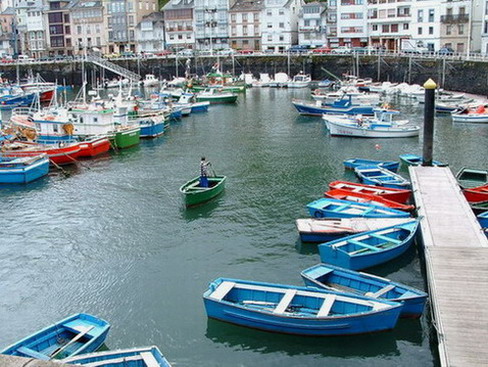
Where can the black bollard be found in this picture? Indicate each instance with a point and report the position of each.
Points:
(429, 108)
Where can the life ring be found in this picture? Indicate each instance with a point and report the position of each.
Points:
(318, 214)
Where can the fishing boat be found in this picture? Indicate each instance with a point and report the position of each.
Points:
(374, 175)
(483, 219)
(477, 114)
(344, 280)
(194, 194)
(340, 106)
(327, 229)
(150, 81)
(22, 170)
(416, 160)
(297, 310)
(398, 195)
(476, 194)
(333, 208)
(76, 334)
(356, 162)
(134, 357)
(368, 249)
(59, 154)
(300, 80)
(93, 146)
(361, 197)
(213, 96)
(469, 177)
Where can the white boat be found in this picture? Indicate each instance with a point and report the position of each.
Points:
(280, 80)
(150, 81)
(263, 81)
(356, 96)
(477, 114)
(300, 81)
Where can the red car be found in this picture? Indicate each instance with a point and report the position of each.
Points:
(246, 52)
(322, 50)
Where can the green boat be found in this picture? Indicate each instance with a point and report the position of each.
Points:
(194, 194)
(223, 88)
(126, 137)
(214, 96)
(469, 178)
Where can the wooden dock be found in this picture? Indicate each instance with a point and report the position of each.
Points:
(11, 361)
(456, 257)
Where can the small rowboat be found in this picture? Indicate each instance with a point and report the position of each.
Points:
(469, 178)
(356, 162)
(371, 175)
(479, 207)
(483, 219)
(344, 280)
(61, 154)
(333, 208)
(94, 146)
(77, 334)
(476, 194)
(194, 194)
(134, 357)
(360, 197)
(416, 160)
(371, 248)
(398, 195)
(22, 170)
(297, 310)
(328, 229)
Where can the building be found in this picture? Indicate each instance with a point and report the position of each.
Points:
(245, 25)
(425, 26)
(59, 28)
(7, 20)
(279, 24)
(331, 24)
(88, 25)
(389, 23)
(211, 24)
(178, 22)
(312, 24)
(484, 30)
(352, 23)
(150, 33)
(36, 32)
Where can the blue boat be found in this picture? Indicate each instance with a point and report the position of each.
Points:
(134, 357)
(374, 175)
(368, 249)
(357, 162)
(483, 219)
(22, 170)
(340, 106)
(416, 160)
(344, 280)
(152, 126)
(297, 310)
(77, 334)
(334, 208)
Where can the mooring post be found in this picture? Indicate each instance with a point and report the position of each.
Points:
(429, 108)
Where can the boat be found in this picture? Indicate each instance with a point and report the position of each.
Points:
(479, 207)
(58, 154)
(297, 310)
(476, 194)
(327, 229)
(194, 194)
(279, 80)
(133, 357)
(369, 249)
(374, 175)
(22, 170)
(361, 197)
(76, 334)
(340, 106)
(398, 195)
(213, 96)
(356, 162)
(150, 81)
(470, 177)
(416, 160)
(483, 219)
(447, 108)
(344, 280)
(477, 114)
(334, 208)
(93, 146)
(300, 80)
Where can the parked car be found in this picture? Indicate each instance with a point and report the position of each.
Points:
(163, 53)
(445, 51)
(185, 52)
(322, 50)
(246, 52)
(342, 50)
(226, 52)
(300, 49)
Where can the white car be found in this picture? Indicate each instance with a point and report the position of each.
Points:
(342, 50)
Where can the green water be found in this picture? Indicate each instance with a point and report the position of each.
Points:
(114, 239)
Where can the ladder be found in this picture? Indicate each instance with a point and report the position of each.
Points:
(114, 68)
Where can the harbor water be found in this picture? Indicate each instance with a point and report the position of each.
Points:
(111, 236)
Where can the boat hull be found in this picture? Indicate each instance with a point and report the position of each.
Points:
(476, 194)
(216, 99)
(314, 110)
(333, 208)
(193, 194)
(355, 162)
(127, 138)
(94, 147)
(337, 129)
(151, 129)
(470, 178)
(22, 173)
(398, 195)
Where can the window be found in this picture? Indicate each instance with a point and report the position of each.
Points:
(462, 10)
(244, 30)
(66, 18)
(385, 28)
(306, 23)
(233, 18)
(419, 31)
(282, 12)
(233, 30)
(448, 29)
(431, 30)
(431, 15)
(405, 26)
(270, 37)
(244, 18)
(282, 25)
(394, 28)
(67, 29)
(99, 43)
(55, 128)
(460, 28)
(269, 13)
(78, 28)
(270, 25)
(375, 27)
(282, 38)
(420, 16)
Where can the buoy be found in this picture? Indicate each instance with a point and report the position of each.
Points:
(377, 146)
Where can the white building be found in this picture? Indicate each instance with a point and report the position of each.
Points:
(352, 23)
(484, 29)
(425, 26)
(150, 33)
(36, 35)
(211, 24)
(279, 24)
(179, 24)
(312, 24)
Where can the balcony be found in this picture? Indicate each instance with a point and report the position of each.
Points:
(455, 18)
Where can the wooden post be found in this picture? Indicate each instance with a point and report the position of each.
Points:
(429, 109)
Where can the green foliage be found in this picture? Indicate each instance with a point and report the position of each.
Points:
(162, 3)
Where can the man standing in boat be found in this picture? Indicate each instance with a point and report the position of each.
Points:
(204, 164)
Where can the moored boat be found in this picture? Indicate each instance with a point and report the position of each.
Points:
(76, 334)
(469, 177)
(344, 280)
(297, 310)
(479, 207)
(300, 80)
(22, 170)
(483, 219)
(369, 249)
(213, 96)
(94, 146)
(333, 208)
(374, 175)
(416, 160)
(356, 162)
(477, 114)
(194, 194)
(398, 195)
(361, 197)
(341, 106)
(476, 194)
(60, 154)
(339, 126)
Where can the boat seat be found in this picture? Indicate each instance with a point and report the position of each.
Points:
(32, 353)
(222, 290)
(382, 291)
(364, 245)
(326, 306)
(79, 326)
(386, 238)
(285, 301)
(149, 359)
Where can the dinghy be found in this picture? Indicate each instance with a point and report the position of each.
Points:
(194, 194)
(476, 194)
(134, 357)
(416, 160)
(372, 175)
(479, 207)
(483, 219)
(359, 197)
(356, 162)
(328, 229)
(77, 334)
(469, 177)
(398, 195)
(371, 248)
(333, 208)
(297, 310)
(344, 280)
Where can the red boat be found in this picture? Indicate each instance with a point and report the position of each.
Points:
(94, 146)
(59, 154)
(362, 197)
(398, 195)
(476, 194)
(45, 90)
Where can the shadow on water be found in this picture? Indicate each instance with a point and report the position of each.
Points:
(204, 210)
(368, 345)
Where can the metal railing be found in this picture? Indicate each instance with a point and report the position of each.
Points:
(117, 69)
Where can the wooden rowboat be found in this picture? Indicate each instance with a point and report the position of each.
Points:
(469, 178)
(479, 207)
(297, 310)
(398, 195)
(476, 194)
(194, 194)
(374, 175)
(416, 160)
(356, 162)
(333, 208)
(360, 197)
(483, 219)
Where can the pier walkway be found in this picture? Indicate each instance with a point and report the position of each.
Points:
(456, 257)
(11, 361)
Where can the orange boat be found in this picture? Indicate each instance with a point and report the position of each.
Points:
(60, 154)
(94, 146)
(398, 195)
(361, 197)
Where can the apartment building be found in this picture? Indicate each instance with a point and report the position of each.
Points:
(279, 24)
(352, 23)
(150, 33)
(389, 22)
(245, 25)
(59, 28)
(211, 24)
(88, 25)
(484, 29)
(331, 24)
(312, 24)
(425, 24)
(36, 32)
(178, 20)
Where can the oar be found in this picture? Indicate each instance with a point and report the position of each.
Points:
(78, 336)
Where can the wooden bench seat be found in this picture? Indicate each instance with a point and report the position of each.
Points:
(285, 301)
(385, 238)
(32, 353)
(326, 306)
(222, 290)
(381, 291)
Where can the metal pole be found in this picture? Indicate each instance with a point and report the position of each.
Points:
(409, 69)
(379, 64)
(429, 108)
